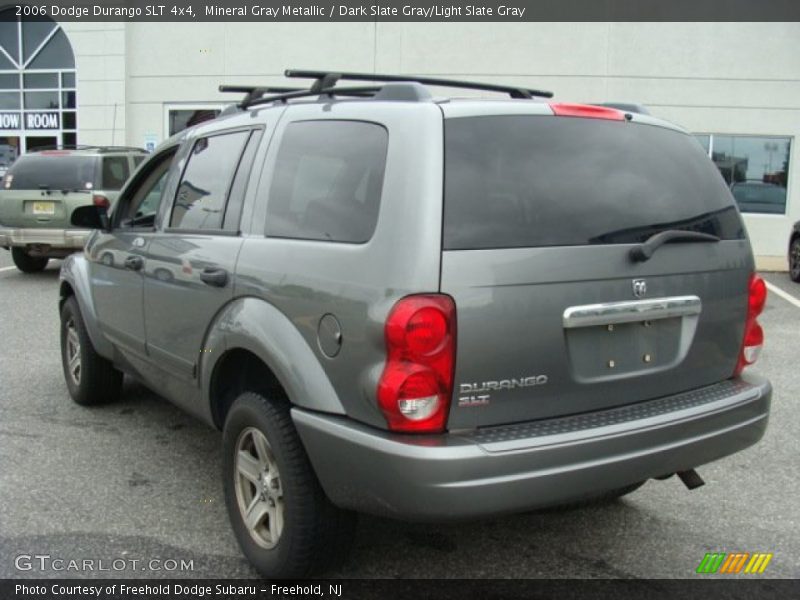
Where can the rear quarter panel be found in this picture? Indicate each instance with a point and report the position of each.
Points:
(357, 283)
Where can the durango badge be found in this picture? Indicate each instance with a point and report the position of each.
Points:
(476, 398)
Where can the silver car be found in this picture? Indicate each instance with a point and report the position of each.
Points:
(424, 307)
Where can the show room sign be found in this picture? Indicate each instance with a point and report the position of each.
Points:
(33, 120)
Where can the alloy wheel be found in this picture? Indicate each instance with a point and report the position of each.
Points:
(73, 352)
(259, 492)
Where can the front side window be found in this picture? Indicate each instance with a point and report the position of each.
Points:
(142, 208)
(203, 190)
(328, 180)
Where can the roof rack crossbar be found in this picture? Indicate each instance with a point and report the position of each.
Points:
(325, 76)
(361, 91)
(253, 92)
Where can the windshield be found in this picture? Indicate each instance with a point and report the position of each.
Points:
(54, 172)
(526, 181)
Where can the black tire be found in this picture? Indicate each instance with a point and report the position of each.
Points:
(27, 263)
(794, 260)
(315, 534)
(98, 382)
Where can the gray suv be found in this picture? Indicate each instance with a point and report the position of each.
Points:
(423, 307)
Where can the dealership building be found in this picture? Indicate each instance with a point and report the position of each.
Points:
(736, 86)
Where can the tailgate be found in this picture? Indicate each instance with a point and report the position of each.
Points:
(554, 316)
(557, 331)
(34, 208)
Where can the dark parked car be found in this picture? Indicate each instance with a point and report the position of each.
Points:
(794, 253)
(424, 308)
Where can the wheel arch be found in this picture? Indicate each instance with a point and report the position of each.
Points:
(253, 346)
(74, 281)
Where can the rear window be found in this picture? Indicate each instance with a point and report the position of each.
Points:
(55, 172)
(529, 181)
(328, 180)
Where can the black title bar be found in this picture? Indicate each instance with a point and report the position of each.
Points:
(188, 11)
(702, 587)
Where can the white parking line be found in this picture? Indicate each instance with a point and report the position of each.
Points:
(783, 294)
(7, 269)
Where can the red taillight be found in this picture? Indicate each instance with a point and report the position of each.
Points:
(587, 111)
(757, 296)
(100, 200)
(753, 334)
(417, 382)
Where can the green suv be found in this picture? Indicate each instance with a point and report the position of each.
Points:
(42, 189)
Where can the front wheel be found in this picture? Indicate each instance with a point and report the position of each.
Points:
(27, 263)
(91, 379)
(284, 523)
(794, 260)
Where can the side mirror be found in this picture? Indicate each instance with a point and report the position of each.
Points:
(91, 217)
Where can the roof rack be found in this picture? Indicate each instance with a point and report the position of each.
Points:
(361, 91)
(253, 92)
(100, 149)
(325, 85)
(327, 79)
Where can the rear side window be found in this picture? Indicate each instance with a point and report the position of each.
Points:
(203, 190)
(327, 182)
(52, 171)
(527, 181)
(115, 172)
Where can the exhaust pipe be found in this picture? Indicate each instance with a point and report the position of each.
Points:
(691, 479)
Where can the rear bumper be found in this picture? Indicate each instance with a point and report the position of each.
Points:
(531, 465)
(72, 239)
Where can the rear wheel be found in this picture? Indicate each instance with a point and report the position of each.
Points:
(794, 260)
(91, 379)
(283, 521)
(27, 263)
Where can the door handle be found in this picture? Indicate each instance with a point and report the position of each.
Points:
(214, 276)
(134, 262)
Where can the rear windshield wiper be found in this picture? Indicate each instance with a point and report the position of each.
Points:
(645, 250)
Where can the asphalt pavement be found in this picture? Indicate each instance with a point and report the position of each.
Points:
(139, 480)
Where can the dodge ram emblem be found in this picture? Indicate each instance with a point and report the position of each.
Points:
(639, 288)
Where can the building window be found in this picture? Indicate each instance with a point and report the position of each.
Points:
(37, 84)
(756, 168)
(179, 119)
